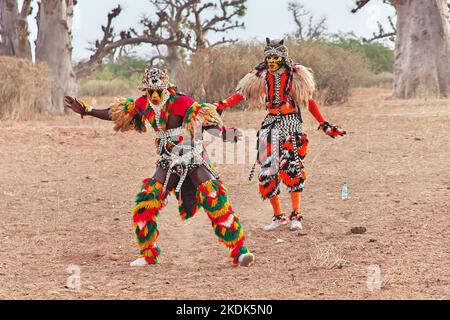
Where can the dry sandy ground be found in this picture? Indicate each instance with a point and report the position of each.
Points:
(67, 187)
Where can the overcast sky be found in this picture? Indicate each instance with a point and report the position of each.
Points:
(264, 18)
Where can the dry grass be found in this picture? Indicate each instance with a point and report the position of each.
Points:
(102, 88)
(398, 275)
(212, 74)
(328, 256)
(22, 83)
(336, 70)
(384, 79)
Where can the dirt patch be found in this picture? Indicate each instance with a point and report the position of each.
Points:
(67, 187)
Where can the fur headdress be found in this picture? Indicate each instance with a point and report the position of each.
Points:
(277, 47)
(155, 79)
(253, 85)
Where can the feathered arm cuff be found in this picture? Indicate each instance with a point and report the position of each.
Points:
(303, 85)
(201, 113)
(126, 117)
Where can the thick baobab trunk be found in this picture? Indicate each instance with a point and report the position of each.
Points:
(422, 66)
(173, 61)
(54, 47)
(14, 29)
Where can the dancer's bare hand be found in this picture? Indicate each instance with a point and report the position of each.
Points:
(233, 135)
(76, 106)
(219, 107)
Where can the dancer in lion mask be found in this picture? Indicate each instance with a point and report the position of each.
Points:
(283, 88)
(183, 167)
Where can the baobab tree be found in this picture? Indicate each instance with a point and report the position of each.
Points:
(176, 25)
(14, 29)
(422, 47)
(54, 47)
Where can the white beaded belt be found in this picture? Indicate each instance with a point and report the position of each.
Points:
(170, 133)
(191, 156)
(284, 124)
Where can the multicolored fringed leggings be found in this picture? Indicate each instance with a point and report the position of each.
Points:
(281, 159)
(211, 195)
(149, 203)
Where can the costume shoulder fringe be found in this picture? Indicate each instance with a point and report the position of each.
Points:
(253, 88)
(201, 113)
(303, 85)
(123, 114)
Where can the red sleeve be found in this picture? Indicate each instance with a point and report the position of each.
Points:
(141, 103)
(230, 102)
(314, 109)
(181, 105)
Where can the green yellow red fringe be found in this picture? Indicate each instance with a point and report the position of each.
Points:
(187, 213)
(238, 250)
(212, 196)
(123, 114)
(205, 113)
(149, 202)
(151, 254)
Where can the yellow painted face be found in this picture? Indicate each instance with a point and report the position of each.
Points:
(274, 62)
(156, 96)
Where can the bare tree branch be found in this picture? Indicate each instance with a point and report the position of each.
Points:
(307, 28)
(225, 19)
(176, 24)
(381, 34)
(359, 5)
(108, 43)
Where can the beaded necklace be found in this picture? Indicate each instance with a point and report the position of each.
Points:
(160, 110)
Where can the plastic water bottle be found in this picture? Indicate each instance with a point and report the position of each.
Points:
(345, 191)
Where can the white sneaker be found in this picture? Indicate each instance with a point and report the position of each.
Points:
(140, 262)
(296, 225)
(277, 221)
(296, 221)
(246, 260)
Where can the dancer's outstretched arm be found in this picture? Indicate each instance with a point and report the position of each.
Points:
(230, 102)
(330, 130)
(83, 109)
(226, 134)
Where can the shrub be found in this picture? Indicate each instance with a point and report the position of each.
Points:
(336, 70)
(377, 80)
(380, 58)
(22, 83)
(101, 88)
(212, 74)
(127, 69)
